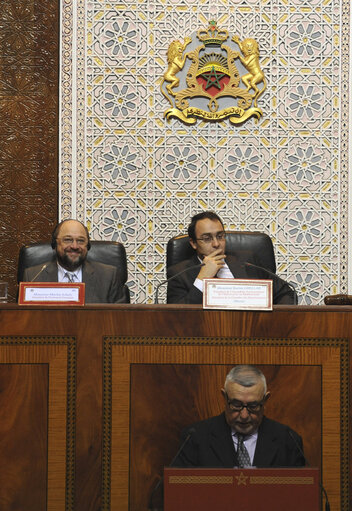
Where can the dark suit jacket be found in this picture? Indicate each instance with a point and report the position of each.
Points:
(182, 290)
(211, 446)
(102, 281)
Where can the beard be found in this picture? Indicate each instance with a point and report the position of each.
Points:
(71, 265)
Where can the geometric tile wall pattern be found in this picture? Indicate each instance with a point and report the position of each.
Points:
(137, 178)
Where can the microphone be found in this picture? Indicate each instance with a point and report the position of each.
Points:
(327, 504)
(190, 432)
(39, 272)
(173, 277)
(268, 272)
(265, 270)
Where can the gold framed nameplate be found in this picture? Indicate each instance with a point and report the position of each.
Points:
(238, 294)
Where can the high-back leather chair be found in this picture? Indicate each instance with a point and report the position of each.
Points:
(255, 247)
(107, 252)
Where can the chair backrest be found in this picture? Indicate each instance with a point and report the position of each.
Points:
(107, 252)
(255, 247)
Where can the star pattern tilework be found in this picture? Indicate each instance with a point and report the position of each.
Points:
(138, 178)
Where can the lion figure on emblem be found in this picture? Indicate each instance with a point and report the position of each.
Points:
(250, 59)
(175, 62)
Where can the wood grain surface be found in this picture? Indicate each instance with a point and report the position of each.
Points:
(114, 386)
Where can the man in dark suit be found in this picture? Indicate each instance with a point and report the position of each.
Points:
(71, 242)
(208, 239)
(242, 436)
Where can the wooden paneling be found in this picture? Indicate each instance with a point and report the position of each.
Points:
(29, 50)
(24, 388)
(37, 406)
(122, 381)
(177, 385)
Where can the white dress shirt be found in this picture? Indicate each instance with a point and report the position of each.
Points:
(62, 274)
(223, 273)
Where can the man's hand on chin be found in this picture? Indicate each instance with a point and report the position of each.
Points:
(213, 262)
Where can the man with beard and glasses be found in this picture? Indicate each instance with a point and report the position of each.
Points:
(70, 240)
(242, 436)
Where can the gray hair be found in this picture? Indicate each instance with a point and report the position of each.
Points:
(246, 375)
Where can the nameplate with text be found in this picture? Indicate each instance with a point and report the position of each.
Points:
(51, 293)
(238, 294)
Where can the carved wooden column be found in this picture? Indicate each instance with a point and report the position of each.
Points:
(29, 49)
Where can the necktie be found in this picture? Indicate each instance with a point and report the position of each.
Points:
(242, 453)
(70, 276)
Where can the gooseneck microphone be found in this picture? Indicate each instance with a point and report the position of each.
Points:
(272, 274)
(190, 432)
(39, 272)
(173, 277)
(327, 504)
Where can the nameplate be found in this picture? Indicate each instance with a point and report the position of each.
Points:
(51, 293)
(238, 294)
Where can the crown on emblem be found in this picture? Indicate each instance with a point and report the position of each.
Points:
(212, 36)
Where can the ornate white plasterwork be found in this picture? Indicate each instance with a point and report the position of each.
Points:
(137, 179)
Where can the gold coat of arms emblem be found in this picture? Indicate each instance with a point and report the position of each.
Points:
(213, 76)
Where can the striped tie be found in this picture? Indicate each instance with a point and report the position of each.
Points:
(70, 276)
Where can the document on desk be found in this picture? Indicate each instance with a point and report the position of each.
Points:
(238, 294)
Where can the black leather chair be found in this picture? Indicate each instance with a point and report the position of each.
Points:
(255, 247)
(107, 252)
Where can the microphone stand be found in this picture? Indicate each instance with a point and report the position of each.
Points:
(39, 272)
(271, 274)
(173, 277)
(161, 479)
(327, 503)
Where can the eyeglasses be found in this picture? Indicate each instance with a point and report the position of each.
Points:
(237, 406)
(67, 240)
(208, 238)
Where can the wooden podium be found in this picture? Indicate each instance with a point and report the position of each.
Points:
(274, 489)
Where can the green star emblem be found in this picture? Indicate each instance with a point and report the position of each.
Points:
(213, 78)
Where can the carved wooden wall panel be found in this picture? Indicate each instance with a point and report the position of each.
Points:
(28, 127)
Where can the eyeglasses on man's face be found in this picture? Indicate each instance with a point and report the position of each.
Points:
(237, 406)
(67, 240)
(208, 238)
